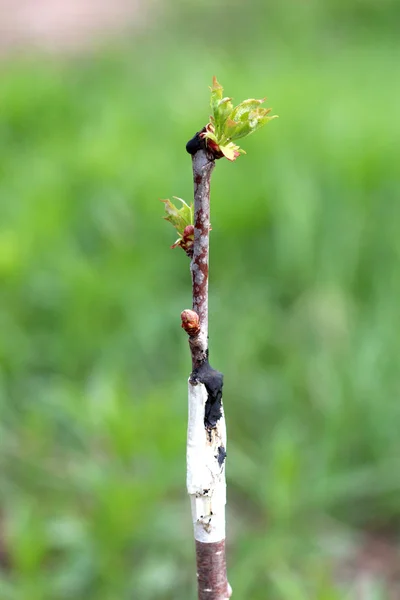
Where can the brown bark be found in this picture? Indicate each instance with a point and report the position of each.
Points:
(202, 170)
(211, 571)
(203, 166)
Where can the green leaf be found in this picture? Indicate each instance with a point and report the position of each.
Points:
(216, 95)
(239, 131)
(244, 108)
(231, 151)
(256, 120)
(230, 128)
(221, 114)
(178, 217)
(221, 107)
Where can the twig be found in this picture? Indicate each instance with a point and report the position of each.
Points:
(203, 167)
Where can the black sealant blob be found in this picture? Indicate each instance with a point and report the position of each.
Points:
(221, 455)
(213, 381)
(196, 143)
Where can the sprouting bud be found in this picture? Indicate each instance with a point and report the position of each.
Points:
(182, 220)
(188, 231)
(190, 322)
(228, 124)
(186, 240)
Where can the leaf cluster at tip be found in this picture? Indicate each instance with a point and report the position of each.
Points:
(228, 123)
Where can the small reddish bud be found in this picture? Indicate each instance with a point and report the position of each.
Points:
(186, 240)
(188, 231)
(190, 322)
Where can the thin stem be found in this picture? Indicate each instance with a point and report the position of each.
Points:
(202, 168)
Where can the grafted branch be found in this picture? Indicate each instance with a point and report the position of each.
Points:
(206, 445)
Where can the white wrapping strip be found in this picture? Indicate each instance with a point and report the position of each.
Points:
(205, 477)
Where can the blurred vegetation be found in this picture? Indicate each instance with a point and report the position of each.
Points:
(304, 319)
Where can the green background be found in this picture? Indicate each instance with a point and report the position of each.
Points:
(304, 304)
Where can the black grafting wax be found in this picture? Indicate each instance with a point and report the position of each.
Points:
(213, 381)
(196, 143)
(221, 455)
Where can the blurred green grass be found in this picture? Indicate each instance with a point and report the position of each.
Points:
(304, 306)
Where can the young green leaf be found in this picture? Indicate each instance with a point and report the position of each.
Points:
(182, 220)
(242, 110)
(221, 114)
(228, 124)
(178, 217)
(231, 151)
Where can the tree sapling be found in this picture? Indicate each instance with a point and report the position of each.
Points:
(206, 438)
